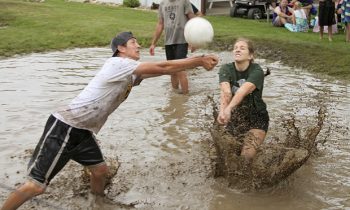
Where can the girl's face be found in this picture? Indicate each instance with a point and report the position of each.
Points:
(241, 52)
(284, 3)
(297, 5)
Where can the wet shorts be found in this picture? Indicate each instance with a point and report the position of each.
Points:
(59, 144)
(241, 122)
(176, 51)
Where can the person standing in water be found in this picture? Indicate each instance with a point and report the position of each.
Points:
(172, 17)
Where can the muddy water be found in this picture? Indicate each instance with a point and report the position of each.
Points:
(162, 139)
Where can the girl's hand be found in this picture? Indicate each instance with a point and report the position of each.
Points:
(224, 116)
(220, 118)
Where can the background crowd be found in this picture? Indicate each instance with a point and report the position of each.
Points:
(301, 15)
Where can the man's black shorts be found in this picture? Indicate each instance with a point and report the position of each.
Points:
(58, 144)
(176, 51)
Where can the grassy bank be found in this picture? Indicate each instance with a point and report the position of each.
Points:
(55, 24)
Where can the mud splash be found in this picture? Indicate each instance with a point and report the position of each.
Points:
(73, 187)
(273, 163)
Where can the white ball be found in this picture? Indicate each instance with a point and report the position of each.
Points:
(198, 32)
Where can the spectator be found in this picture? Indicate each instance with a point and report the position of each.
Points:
(326, 17)
(282, 14)
(316, 28)
(307, 6)
(338, 11)
(300, 22)
(345, 9)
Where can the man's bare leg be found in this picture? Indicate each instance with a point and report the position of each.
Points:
(98, 179)
(174, 81)
(25, 192)
(182, 76)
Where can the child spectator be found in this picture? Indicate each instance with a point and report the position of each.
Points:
(307, 6)
(300, 22)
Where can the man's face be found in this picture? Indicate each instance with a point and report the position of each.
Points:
(131, 50)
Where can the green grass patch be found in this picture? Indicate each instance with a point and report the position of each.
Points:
(57, 24)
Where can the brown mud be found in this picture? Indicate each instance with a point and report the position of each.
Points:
(218, 157)
(71, 190)
(273, 163)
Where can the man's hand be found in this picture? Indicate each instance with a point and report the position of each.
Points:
(209, 61)
(151, 49)
(192, 49)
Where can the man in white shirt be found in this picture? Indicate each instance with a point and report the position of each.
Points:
(70, 131)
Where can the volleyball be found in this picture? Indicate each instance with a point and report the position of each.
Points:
(198, 32)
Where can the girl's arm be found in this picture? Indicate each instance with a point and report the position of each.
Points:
(225, 113)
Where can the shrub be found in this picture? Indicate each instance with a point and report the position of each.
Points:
(131, 3)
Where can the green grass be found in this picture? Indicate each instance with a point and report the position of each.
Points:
(56, 24)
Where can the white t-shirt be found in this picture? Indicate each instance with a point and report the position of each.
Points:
(104, 93)
(300, 13)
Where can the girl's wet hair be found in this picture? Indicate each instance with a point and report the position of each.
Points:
(250, 46)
